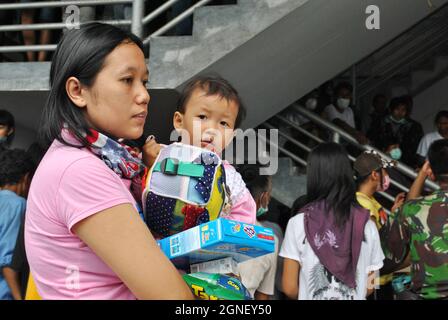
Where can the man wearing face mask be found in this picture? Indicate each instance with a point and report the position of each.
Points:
(341, 114)
(396, 129)
(7, 128)
(372, 177)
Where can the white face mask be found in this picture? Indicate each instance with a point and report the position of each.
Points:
(311, 103)
(343, 103)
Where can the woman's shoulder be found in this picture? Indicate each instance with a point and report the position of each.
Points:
(61, 159)
(297, 221)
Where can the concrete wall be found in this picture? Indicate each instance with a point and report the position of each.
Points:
(24, 137)
(429, 102)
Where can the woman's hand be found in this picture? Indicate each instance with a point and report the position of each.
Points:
(399, 200)
(150, 151)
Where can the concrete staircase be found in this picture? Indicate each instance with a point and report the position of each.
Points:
(288, 183)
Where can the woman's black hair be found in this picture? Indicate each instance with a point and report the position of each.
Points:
(330, 178)
(7, 119)
(80, 53)
(298, 204)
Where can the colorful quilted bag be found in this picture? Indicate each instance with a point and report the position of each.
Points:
(184, 188)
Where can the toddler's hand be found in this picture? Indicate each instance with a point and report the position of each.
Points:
(150, 151)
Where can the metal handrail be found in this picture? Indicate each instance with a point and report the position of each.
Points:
(305, 163)
(158, 11)
(138, 8)
(330, 126)
(298, 128)
(62, 3)
(136, 25)
(287, 137)
(137, 22)
(187, 13)
(53, 25)
(36, 47)
(284, 151)
(306, 148)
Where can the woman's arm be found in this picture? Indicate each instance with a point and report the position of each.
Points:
(290, 279)
(122, 240)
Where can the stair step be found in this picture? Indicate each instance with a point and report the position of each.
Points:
(172, 51)
(209, 21)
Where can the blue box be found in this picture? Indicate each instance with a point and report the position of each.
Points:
(218, 239)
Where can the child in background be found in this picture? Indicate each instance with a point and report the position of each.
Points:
(259, 275)
(15, 178)
(208, 112)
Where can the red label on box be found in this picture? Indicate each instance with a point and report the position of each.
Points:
(262, 236)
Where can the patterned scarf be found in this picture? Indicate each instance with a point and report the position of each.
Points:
(117, 156)
(338, 249)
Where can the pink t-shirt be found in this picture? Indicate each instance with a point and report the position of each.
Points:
(70, 185)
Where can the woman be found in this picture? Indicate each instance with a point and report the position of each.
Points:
(331, 248)
(83, 234)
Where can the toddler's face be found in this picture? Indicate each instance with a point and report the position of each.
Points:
(208, 121)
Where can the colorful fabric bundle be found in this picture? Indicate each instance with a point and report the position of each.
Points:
(184, 188)
(210, 286)
(117, 156)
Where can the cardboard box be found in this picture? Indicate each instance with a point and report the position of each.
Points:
(221, 266)
(218, 239)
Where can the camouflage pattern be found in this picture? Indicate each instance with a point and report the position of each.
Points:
(421, 227)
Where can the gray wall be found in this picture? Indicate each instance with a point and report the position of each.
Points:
(429, 102)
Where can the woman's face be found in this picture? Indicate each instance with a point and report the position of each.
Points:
(117, 102)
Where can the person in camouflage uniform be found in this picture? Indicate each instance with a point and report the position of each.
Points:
(420, 228)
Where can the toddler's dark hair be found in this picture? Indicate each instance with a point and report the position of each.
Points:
(212, 85)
